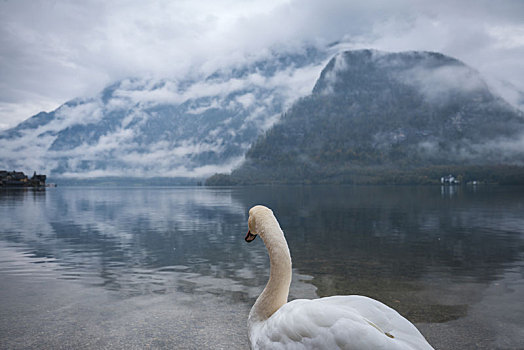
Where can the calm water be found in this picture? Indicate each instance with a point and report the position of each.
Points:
(124, 268)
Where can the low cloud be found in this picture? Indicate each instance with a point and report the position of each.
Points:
(123, 114)
(441, 83)
(53, 52)
(331, 76)
(503, 150)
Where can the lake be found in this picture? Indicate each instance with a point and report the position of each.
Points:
(168, 268)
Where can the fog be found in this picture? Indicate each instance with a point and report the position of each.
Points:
(54, 52)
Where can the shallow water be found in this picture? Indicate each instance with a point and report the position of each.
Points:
(168, 267)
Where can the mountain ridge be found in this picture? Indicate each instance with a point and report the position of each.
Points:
(163, 127)
(412, 109)
(377, 117)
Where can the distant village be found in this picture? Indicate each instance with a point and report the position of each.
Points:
(449, 180)
(19, 179)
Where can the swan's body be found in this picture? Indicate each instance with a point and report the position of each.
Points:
(340, 322)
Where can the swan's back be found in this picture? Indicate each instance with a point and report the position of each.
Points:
(339, 322)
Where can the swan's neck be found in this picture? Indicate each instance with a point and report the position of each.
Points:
(277, 289)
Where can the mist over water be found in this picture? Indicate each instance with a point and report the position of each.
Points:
(168, 267)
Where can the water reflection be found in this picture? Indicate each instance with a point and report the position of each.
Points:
(428, 251)
(125, 239)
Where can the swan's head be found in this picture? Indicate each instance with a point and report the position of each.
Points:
(255, 214)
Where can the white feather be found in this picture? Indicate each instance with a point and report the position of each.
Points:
(339, 322)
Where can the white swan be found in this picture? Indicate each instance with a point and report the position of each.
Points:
(339, 322)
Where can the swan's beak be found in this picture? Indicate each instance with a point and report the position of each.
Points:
(250, 236)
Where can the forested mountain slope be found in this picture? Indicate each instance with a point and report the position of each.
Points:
(151, 127)
(376, 117)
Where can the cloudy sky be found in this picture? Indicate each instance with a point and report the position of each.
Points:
(54, 50)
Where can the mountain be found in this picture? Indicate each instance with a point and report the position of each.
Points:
(377, 117)
(511, 93)
(190, 127)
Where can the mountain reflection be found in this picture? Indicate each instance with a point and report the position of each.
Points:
(352, 240)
